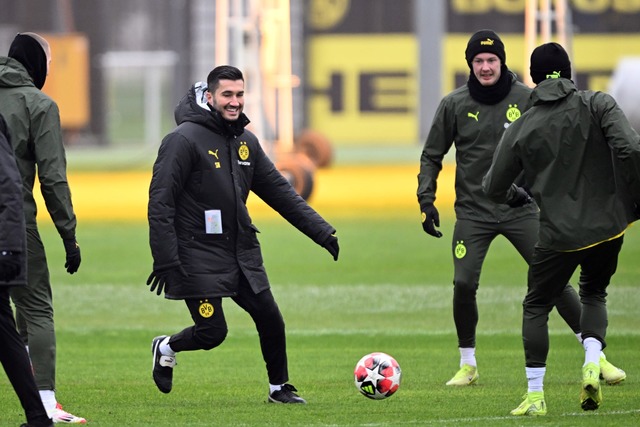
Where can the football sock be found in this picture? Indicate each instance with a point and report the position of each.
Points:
(592, 351)
(48, 398)
(535, 378)
(468, 356)
(165, 349)
(273, 388)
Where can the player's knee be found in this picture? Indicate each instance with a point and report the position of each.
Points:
(464, 287)
(209, 338)
(465, 290)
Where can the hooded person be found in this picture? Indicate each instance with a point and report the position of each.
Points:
(34, 53)
(581, 160)
(33, 120)
(209, 164)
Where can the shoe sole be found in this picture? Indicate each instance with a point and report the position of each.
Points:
(271, 400)
(615, 382)
(530, 414)
(590, 403)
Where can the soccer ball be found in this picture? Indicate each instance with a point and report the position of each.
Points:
(377, 375)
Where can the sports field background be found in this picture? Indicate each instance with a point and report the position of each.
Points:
(390, 291)
(342, 190)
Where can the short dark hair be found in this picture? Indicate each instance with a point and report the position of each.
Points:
(222, 72)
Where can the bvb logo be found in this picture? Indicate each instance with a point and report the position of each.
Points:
(243, 151)
(513, 113)
(460, 249)
(205, 309)
(325, 14)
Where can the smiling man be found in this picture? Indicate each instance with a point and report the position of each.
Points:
(474, 117)
(203, 242)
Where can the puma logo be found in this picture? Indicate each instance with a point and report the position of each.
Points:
(215, 154)
(475, 116)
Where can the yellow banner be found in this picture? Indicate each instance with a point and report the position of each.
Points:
(363, 88)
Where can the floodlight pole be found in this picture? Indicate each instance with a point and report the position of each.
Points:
(541, 14)
(258, 40)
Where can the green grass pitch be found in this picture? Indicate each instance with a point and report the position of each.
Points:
(390, 291)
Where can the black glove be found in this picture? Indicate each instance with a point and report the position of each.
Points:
(431, 220)
(520, 198)
(73, 255)
(331, 245)
(158, 279)
(9, 265)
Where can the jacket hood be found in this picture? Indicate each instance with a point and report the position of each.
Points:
(193, 107)
(552, 90)
(28, 51)
(13, 73)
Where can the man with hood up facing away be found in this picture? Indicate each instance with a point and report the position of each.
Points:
(581, 160)
(203, 241)
(34, 125)
(13, 266)
(474, 117)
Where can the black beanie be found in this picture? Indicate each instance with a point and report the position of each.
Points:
(485, 41)
(28, 51)
(549, 61)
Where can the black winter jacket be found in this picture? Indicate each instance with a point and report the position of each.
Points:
(207, 163)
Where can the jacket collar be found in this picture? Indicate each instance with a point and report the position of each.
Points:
(551, 90)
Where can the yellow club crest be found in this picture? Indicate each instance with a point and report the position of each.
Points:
(205, 309)
(243, 151)
(460, 250)
(513, 113)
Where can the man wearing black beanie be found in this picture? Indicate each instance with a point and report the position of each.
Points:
(581, 160)
(549, 60)
(474, 117)
(33, 120)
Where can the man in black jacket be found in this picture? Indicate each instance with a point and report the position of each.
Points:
(203, 242)
(13, 263)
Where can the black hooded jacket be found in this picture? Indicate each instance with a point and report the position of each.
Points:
(207, 163)
(28, 51)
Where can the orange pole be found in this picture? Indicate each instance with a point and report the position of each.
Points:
(222, 32)
(530, 31)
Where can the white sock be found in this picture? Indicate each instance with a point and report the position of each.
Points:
(48, 398)
(535, 378)
(579, 336)
(273, 388)
(165, 349)
(592, 350)
(467, 356)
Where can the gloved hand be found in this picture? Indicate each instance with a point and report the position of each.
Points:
(9, 265)
(520, 198)
(431, 220)
(72, 249)
(158, 279)
(331, 245)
